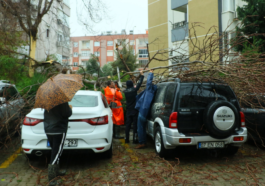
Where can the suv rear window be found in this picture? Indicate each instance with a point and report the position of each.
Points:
(199, 96)
(84, 101)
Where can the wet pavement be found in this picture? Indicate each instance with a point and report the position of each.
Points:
(137, 167)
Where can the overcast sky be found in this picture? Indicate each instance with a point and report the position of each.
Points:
(123, 14)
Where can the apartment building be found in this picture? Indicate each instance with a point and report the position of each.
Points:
(104, 45)
(170, 28)
(54, 32)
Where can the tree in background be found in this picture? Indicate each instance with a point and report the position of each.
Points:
(127, 55)
(251, 34)
(93, 66)
(29, 20)
(107, 69)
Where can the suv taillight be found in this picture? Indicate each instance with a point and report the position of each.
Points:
(95, 121)
(31, 121)
(173, 120)
(242, 119)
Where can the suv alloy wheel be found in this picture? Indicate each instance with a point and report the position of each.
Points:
(159, 145)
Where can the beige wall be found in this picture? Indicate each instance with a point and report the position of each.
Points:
(158, 29)
(203, 13)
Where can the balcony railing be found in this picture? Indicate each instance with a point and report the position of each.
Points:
(179, 24)
(179, 31)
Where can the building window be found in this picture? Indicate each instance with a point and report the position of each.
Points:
(132, 42)
(85, 44)
(143, 53)
(110, 43)
(229, 5)
(48, 32)
(60, 37)
(75, 44)
(143, 42)
(97, 54)
(142, 63)
(97, 43)
(85, 53)
(75, 64)
(75, 54)
(84, 63)
(109, 53)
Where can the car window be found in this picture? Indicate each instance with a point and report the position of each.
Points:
(170, 94)
(160, 93)
(84, 101)
(198, 96)
(104, 101)
(8, 92)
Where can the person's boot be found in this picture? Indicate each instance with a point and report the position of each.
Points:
(117, 133)
(60, 172)
(135, 138)
(52, 175)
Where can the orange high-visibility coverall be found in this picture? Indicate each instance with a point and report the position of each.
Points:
(118, 115)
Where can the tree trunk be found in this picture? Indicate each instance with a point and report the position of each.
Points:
(32, 53)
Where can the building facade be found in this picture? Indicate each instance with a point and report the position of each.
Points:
(104, 46)
(173, 27)
(54, 33)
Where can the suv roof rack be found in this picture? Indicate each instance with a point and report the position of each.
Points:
(4, 81)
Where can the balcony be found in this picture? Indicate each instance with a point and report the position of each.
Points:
(179, 5)
(180, 31)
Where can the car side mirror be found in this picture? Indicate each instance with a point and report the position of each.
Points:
(2, 100)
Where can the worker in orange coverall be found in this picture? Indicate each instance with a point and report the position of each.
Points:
(113, 94)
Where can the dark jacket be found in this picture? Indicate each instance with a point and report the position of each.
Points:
(56, 120)
(130, 95)
(145, 98)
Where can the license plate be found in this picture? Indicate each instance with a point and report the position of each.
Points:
(67, 143)
(210, 145)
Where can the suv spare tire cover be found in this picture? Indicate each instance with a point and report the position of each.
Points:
(221, 118)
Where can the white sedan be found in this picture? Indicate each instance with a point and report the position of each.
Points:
(89, 127)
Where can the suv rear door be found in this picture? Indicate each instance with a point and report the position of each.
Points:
(193, 99)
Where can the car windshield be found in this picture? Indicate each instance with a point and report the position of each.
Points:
(84, 101)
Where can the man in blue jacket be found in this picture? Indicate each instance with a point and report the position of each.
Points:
(143, 104)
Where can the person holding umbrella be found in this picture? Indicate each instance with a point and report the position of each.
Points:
(54, 96)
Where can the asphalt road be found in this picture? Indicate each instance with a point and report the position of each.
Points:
(137, 167)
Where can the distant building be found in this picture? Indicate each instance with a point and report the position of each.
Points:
(104, 45)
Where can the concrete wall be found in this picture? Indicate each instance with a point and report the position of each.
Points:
(206, 14)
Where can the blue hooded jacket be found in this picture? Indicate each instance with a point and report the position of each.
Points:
(145, 98)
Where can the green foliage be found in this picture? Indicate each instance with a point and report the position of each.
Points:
(129, 58)
(12, 69)
(15, 71)
(252, 17)
(107, 69)
(93, 66)
(29, 86)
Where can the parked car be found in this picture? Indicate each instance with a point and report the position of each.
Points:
(255, 117)
(191, 114)
(89, 127)
(11, 104)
